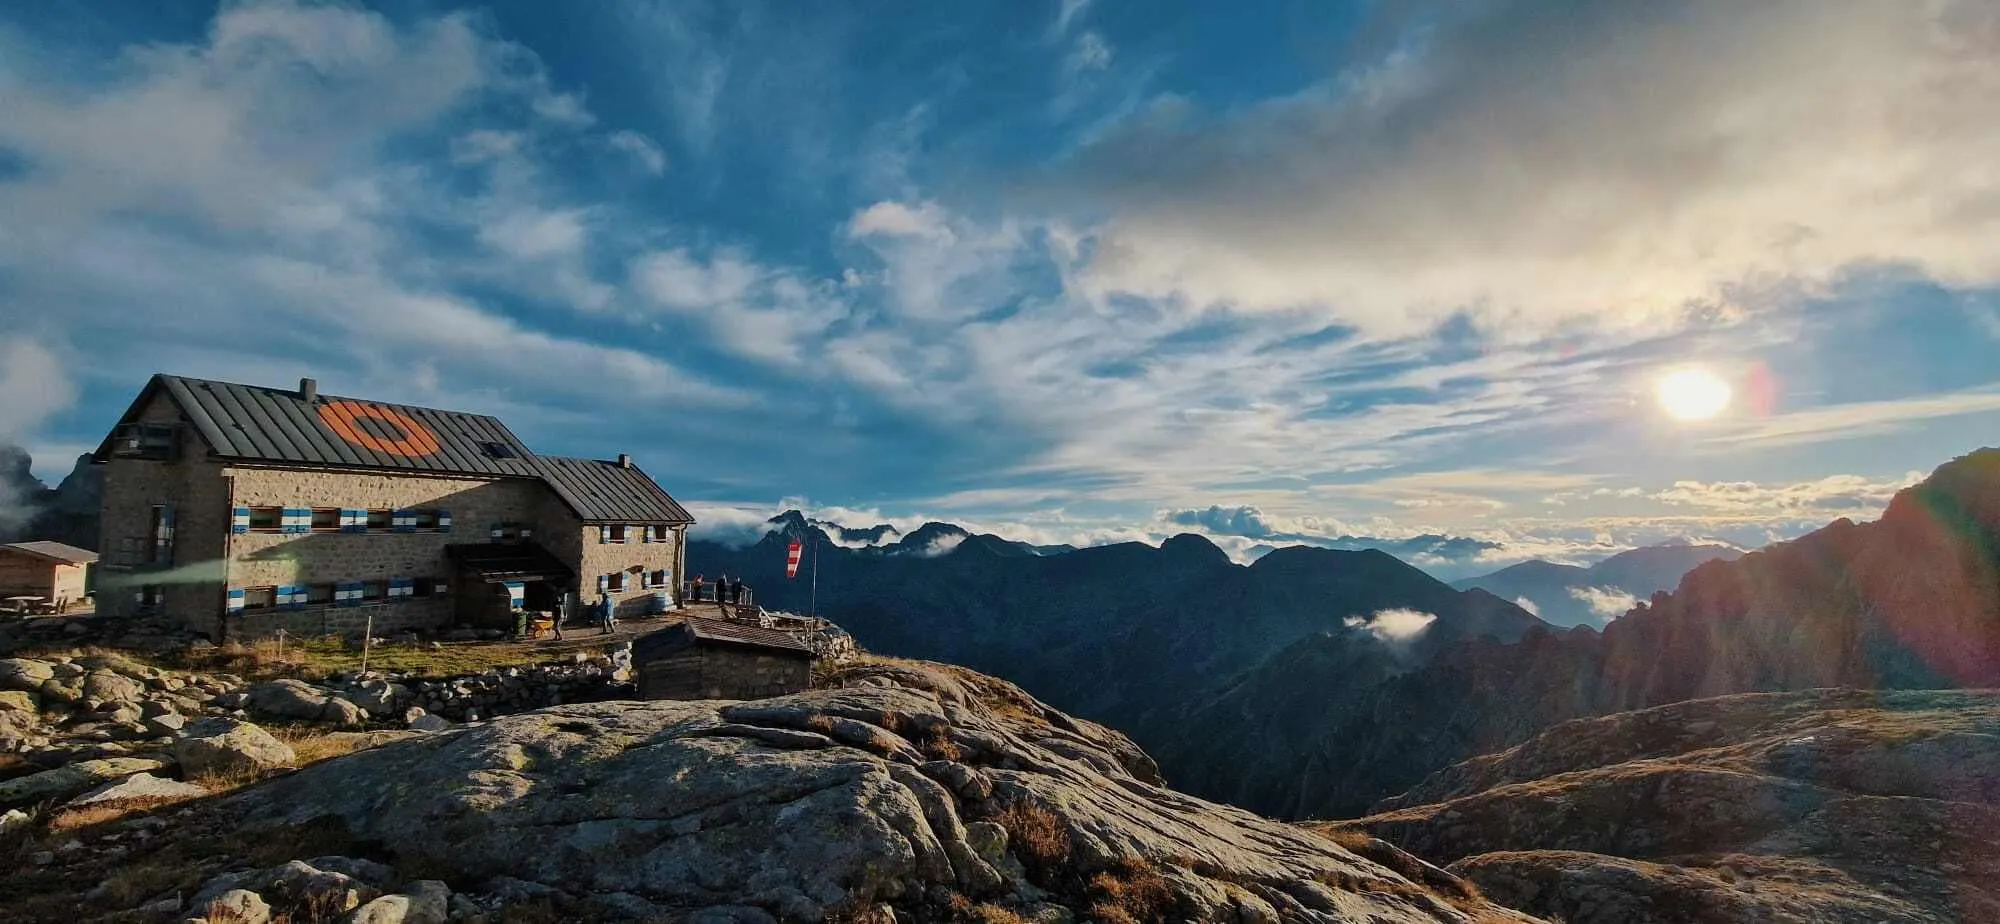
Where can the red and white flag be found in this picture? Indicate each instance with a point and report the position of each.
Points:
(792, 559)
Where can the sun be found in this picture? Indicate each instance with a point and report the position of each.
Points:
(1693, 394)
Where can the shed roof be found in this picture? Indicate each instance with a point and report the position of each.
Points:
(54, 551)
(697, 630)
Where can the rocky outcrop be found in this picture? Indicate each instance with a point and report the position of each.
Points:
(904, 792)
(229, 747)
(1834, 806)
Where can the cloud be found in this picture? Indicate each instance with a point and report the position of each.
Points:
(254, 203)
(1832, 496)
(1631, 162)
(760, 312)
(1533, 608)
(1090, 53)
(1853, 420)
(1606, 603)
(642, 149)
(1394, 626)
(34, 384)
(1252, 523)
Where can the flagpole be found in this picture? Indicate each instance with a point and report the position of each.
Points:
(815, 578)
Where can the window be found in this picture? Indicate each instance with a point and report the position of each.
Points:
(497, 450)
(659, 578)
(508, 532)
(144, 441)
(423, 587)
(427, 519)
(615, 533)
(659, 533)
(153, 595)
(326, 519)
(374, 590)
(615, 581)
(162, 530)
(381, 519)
(266, 519)
(320, 594)
(260, 598)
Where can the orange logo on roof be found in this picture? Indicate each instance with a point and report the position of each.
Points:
(395, 433)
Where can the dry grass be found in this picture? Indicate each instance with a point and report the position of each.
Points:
(1131, 892)
(821, 723)
(939, 746)
(1353, 839)
(313, 745)
(1037, 836)
(226, 780)
(97, 813)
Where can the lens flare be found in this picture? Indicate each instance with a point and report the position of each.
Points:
(1693, 394)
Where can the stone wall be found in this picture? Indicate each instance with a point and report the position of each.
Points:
(192, 588)
(630, 557)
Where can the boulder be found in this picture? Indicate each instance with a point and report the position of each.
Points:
(164, 725)
(301, 883)
(426, 901)
(141, 786)
(230, 746)
(19, 701)
(110, 687)
(24, 674)
(64, 690)
(287, 699)
(236, 906)
(376, 697)
(429, 723)
(66, 781)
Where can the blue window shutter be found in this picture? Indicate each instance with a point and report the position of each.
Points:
(603, 534)
(236, 599)
(527, 531)
(404, 521)
(444, 521)
(645, 534)
(493, 532)
(353, 521)
(239, 520)
(603, 582)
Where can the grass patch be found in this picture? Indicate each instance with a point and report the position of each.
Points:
(1038, 837)
(312, 745)
(1131, 892)
(939, 746)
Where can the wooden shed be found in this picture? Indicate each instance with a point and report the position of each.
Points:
(51, 570)
(716, 659)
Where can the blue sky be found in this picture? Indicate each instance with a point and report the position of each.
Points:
(1069, 271)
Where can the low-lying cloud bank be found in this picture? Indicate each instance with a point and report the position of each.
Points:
(1394, 626)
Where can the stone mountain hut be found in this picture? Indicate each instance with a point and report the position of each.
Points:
(242, 510)
(51, 570)
(717, 659)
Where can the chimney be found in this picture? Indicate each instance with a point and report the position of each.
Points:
(308, 390)
(624, 461)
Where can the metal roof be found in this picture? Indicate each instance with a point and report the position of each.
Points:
(57, 551)
(607, 492)
(280, 426)
(696, 629)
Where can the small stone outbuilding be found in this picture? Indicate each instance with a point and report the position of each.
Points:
(55, 572)
(716, 659)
